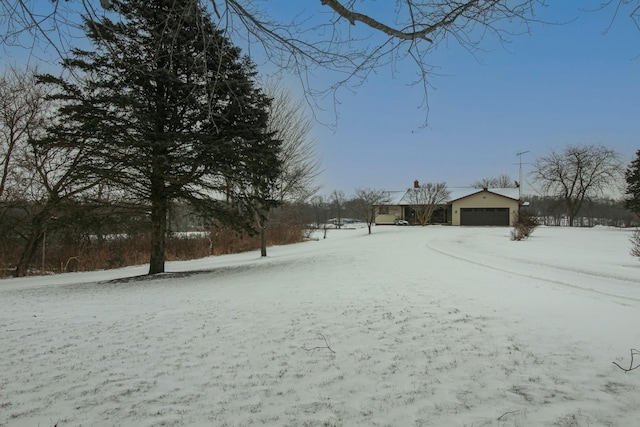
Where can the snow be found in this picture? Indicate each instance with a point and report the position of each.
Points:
(409, 326)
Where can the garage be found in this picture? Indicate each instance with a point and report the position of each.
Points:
(496, 207)
(484, 216)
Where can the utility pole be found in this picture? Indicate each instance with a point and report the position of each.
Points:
(520, 182)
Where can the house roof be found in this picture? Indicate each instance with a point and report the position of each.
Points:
(400, 198)
(510, 193)
(395, 197)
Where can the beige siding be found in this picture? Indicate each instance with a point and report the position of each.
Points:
(395, 212)
(483, 200)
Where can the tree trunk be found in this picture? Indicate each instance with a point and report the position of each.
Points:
(263, 238)
(369, 226)
(572, 218)
(35, 237)
(158, 233)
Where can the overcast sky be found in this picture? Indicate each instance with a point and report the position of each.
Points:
(557, 85)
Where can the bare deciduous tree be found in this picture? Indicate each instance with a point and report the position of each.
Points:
(425, 198)
(338, 201)
(36, 179)
(292, 126)
(577, 173)
(22, 113)
(319, 207)
(54, 180)
(300, 165)
(502, 181)
(23, 109)
(367, 202)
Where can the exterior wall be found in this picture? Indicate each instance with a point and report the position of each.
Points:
(483, 200)
(395, 212)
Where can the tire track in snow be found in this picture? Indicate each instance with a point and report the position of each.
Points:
(546, 279)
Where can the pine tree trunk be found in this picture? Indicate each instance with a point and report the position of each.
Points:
(158, 233)
(263, 238)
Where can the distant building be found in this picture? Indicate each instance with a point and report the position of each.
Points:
(495, 206)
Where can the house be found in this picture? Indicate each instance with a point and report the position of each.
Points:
(469, 206)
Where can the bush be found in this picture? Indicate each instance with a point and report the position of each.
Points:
(524, 225)
(228, 241)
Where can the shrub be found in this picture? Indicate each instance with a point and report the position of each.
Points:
(78, 249)
(227, 241)
(525, 223)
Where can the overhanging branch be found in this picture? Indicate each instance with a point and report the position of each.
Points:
(354, 17)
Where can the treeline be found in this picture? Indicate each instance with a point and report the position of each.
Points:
(552, 211)
(85, 237)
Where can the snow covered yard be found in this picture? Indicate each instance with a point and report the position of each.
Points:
(408, 326)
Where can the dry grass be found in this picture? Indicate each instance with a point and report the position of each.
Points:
(226, 241)
(61, 256)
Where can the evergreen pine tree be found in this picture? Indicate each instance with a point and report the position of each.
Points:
(632, 176)
(169, 109)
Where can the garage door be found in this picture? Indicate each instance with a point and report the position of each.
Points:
(484, 216)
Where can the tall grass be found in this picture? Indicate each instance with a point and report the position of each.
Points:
(61, 256)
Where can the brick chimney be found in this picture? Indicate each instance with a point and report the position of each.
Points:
(416, 184)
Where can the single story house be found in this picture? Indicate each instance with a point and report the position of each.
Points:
(469, 206)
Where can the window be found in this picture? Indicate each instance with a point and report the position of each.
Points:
(383, 210)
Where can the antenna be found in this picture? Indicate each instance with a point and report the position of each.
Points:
(520, 182)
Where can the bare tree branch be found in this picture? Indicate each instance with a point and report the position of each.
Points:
(326, 346)
(290, 123)
(634, 352)
(311, 40)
